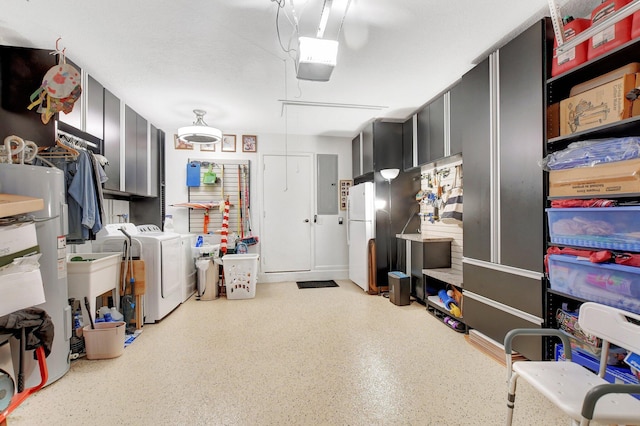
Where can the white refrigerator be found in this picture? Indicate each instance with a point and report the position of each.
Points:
(51, 228)
(360, 229)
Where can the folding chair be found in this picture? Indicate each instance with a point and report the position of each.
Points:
(580, 393)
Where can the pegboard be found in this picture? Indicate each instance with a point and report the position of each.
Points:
(233, 180)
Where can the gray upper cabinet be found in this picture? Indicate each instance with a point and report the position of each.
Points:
(378, 147)
(471, 123)
(436, 128)
(457, 108)
(135, 137)
(522, 106)
(409, 148)
(387, 145)
(431, 131)
(94, 121)
(154, 160)
(367, 150)
(356, 156)
(112, 138)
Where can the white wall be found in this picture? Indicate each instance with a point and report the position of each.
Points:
(329, 250)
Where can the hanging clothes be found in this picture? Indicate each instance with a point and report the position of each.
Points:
(99, 177)
(84, 213)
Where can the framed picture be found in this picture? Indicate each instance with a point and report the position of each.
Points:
(180, 144)
(229, 143)
(249, 143)
(208, 147)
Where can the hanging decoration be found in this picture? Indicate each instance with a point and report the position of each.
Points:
(225, 227)
(60, 89)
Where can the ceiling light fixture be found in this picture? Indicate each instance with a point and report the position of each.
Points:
(200, 132)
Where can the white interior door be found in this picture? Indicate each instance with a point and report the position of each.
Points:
(286, 231)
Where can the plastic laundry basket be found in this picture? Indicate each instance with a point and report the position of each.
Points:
(240, 275)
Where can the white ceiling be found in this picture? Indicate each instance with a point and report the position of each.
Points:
(165, 58)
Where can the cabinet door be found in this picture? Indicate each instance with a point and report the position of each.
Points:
(474, 128)
(356, 160)
(436, 129)
(154, 162)
(408, 155)
(130, 149)
(94, 124)
(142, 154)
(457, 101)
(522, 80)
(423, 135)
(367, 150)
(112, 140)
(387, 145)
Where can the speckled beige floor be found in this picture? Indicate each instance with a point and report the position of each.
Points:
(329, 356)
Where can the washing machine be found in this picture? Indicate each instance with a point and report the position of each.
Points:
(160, 252)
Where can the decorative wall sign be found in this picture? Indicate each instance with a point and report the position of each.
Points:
(249, 143)
(229, 143)
(344, 192)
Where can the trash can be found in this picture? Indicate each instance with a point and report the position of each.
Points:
(399, 288)
(207, 279)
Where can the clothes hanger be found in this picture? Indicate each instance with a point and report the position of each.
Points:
(59, 150)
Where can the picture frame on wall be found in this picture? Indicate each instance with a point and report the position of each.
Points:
(229, 143)
(180, 144)
(208, 147)
(249, 143)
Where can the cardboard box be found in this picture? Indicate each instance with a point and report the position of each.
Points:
(601, 105)
(621, 177)
(17, 237)
(635, 109)
(20, 290)
(631, 68)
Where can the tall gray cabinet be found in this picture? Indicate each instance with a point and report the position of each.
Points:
(504, 190)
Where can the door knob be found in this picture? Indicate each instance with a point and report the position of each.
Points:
(306, 221)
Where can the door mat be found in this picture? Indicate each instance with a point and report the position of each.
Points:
(317, 284)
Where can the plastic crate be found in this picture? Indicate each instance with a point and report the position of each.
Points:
(240, 275)
(606, 283)
(612, 374)
(611, 228)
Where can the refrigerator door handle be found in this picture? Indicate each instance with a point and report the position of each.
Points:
(348, 232)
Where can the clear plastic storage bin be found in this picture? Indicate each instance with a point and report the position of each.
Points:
(606, 283)
(611, 228)
(240, 275)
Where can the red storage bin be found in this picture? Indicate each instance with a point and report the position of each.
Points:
(575, 56)
(635, 25)
(612, 36)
